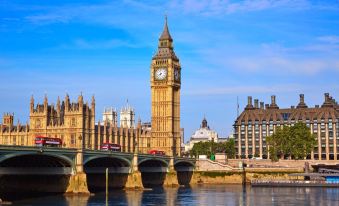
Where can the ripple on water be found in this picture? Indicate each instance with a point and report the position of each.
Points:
(232, 195)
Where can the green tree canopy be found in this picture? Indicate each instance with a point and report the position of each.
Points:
(211, 147)
(295, 141)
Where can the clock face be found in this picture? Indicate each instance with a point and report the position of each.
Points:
(176, 75)
(160, 74)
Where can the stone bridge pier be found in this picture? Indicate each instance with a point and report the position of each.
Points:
(78, 180)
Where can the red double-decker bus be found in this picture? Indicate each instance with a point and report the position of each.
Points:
(48, 141)
(111, 147)
(156, 152)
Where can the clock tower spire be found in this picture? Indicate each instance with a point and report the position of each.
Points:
(165, 91)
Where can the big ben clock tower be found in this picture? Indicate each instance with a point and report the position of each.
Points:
(165, 91)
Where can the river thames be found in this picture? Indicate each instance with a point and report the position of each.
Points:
(200, 195)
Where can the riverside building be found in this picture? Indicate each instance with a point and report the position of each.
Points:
(257, 122)
(203, 134)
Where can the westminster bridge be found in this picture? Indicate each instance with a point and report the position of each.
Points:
(65, 170)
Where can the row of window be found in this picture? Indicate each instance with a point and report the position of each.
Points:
(322, 121)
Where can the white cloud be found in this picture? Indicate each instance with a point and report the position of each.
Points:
(216, 7)
(243, 90)
(331, 39)
(284, 65)
(104, 44)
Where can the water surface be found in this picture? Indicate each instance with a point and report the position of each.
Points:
(200, 195)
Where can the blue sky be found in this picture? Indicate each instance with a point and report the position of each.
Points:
(226, 49)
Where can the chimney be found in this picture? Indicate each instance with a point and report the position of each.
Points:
(267, 106)
(292, 107)
(256, 103)
(328, 101)
(272, 99)
(262, 105)
(301, 98)
(249, 103)
(273, 103)
(301, 102)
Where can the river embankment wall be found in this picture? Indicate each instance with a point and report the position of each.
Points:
(210, 172)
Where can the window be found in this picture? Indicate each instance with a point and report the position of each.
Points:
(73, 140)
(14, 140)
(22, 140)
(73, 122)
(285, 116)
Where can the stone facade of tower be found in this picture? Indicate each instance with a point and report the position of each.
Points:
(165, 91)
(110, 116)
(127, 116)
(11, 134)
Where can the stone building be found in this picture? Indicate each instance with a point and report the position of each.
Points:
(71, 122)
(11, 134)
(74, 122)
(127, 116)
(165, 96)
(110, 115)
(203, 134)
(257, 122)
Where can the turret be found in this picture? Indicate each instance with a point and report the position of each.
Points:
(165, 39)
(8, 119)
(165, 46)
(81, 102)
(204, 123)
(58, 106)
(45, 104)
(67, 102)
(139, 123)
(93, 104)
(32, 104)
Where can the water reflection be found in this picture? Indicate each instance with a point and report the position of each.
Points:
(232, 195)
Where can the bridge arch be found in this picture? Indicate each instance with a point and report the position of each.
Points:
(184, 170)
(34, 173)
(123, 160)
(61, 159)
(95, 168)
(153, 171)
(149, 162)
(183, 163)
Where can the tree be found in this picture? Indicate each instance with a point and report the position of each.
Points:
(296, 141)
(279, 143)
(200, 148)
(211, 147)
(230, 149)
(302, 141)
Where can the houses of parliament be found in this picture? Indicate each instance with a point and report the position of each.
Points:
(75, 124)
